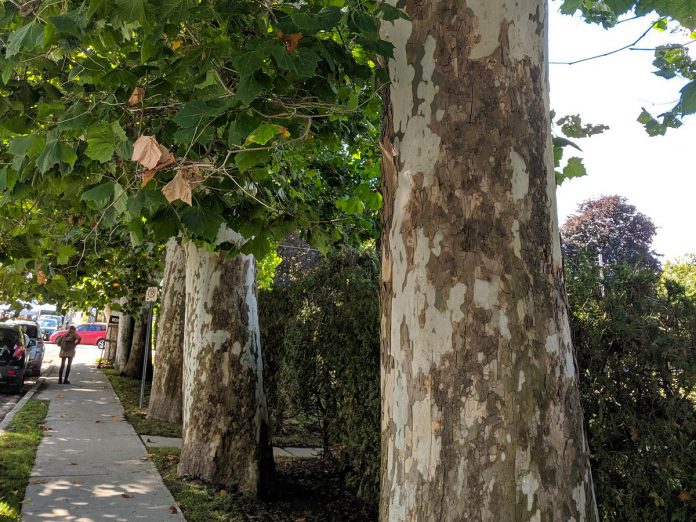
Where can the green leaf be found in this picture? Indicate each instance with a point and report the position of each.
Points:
(76, 117)
(102, 139)
(305, 62)
(25, 38)
(135, 228)
(194, 112)
(568, 7)
(99, 196)
(70, 24)
(248, 89)
(49, 156)
(263, 134)
(687, 102)
(247, 159)
(258, 246)
(240, 128)
(248, 63)
(131, 11)
(64, 253)
(201, 222)
(8, 178)
(390, 13)
(573, 169)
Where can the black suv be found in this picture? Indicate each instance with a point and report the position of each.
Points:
(13, 357)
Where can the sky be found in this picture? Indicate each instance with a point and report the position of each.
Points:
(656, 174)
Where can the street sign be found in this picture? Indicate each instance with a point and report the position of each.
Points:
(151, 294)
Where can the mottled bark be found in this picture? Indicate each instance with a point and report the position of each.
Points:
(166, 396)
(480, 406)
(134, 367)
(225, 423)
(112, 339)
(123, 345)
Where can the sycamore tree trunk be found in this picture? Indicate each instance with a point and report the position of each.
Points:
(112, 340)
(165, 396)
(225, 422)
(123, 344)
(134, 367)
(481, 415)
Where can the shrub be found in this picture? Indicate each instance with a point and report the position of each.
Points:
(637, 358)
(327, 363)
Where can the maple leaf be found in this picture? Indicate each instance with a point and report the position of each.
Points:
(146, 151)
(178, 188)
(136, 97)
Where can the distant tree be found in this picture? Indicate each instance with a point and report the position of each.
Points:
(681, 271)
(612, 227)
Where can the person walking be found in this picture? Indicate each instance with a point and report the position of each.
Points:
(67, 352)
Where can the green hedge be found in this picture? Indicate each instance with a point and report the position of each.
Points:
(637, 357)
(321, 344)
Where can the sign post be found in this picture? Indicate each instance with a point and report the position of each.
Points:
(150, 298)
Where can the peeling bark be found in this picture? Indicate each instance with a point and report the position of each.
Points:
(481, 415)
(166, 396)
(123, 345)
(226, 438)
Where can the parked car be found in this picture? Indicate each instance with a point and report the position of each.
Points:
(35, 346)
(92, 333)
(49, 324)
(13, 357)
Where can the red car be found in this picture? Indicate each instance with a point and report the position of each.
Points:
(92, 333)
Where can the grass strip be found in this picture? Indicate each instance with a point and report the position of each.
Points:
(17, 451)
(128, 391)
(306, 490)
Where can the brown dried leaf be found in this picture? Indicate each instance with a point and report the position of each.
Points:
(173, 510)
(147, 176)
(170, 458)
(136, 97)
(126, 495)
(73, 463)
(291, 40)
(38, 481)
(166, 159)
(178, 188)
(146, 151)
(116, 418)
(77, 482)
(684, 496)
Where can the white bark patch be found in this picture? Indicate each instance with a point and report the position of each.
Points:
(552, 343)
(529, 487)
(520, 381)
(516, 239)
(520, 176)
(503, 326)
(486, 292)
(425, 446)
(521, 28)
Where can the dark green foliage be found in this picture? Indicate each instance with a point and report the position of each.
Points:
(328, 361)
(636, 352)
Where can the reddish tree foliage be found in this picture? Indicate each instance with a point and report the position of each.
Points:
(612, 227)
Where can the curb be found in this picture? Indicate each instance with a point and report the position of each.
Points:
(32, 391)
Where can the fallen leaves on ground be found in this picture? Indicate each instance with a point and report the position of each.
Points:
(173, 510)
(126, 495)
(38, 481)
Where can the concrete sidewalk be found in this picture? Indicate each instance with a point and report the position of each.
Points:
(91, 465)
